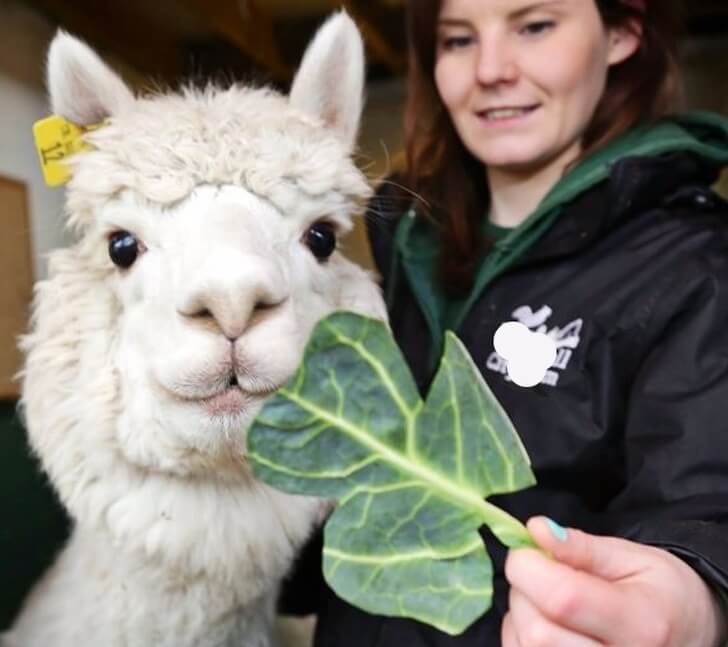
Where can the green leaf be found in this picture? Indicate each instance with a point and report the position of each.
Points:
(411, 478)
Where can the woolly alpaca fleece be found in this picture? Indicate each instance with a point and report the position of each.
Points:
(138, 382)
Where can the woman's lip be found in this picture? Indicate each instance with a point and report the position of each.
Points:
(482, 115)
(527, 106)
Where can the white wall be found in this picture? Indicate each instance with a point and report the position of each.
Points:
(24, 39)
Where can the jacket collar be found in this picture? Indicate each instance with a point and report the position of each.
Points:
(635, 184)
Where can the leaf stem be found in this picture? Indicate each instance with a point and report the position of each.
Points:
(509, 530)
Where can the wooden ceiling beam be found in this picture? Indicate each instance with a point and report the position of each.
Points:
(706, 7)
(368, 15)
(157, 57)
(243, 24)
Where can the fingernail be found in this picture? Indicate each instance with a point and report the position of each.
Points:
(556, 530)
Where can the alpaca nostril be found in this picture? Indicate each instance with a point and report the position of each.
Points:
(263, 306)
(202, 314)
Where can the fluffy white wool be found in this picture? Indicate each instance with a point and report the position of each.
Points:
(175, 544)
(164, 146)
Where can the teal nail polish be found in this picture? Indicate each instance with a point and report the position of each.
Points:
(556, 530)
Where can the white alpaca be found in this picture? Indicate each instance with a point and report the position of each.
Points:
(142, 373)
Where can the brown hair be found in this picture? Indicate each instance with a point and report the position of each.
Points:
(642, 89)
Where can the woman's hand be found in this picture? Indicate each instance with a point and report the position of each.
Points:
(605, 591)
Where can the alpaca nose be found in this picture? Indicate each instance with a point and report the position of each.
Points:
(226, 295)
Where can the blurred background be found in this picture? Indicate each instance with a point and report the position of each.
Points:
(162, 43)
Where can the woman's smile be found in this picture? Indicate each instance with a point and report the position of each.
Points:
(507, 115)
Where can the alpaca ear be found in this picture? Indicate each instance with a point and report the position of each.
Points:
(330, 81)
(82, 88)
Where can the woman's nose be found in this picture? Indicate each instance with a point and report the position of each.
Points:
(496, 61)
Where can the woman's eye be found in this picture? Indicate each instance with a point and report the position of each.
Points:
(456, 42)
(320, 238)
(124, 249)
(537, 28)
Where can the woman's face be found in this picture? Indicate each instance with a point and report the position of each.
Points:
(521, 79)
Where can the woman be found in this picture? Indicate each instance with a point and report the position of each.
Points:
(552, 194)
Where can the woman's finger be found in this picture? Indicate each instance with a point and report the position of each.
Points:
(577, 601)
(508, 633)
(533, 629)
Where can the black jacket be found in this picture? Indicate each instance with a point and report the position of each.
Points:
(628, 435)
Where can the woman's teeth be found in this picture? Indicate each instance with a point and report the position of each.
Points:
(506, 113)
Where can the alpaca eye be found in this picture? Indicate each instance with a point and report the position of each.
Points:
(123, 249)
(321, 240)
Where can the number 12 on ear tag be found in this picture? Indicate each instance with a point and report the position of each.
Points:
(56, 139)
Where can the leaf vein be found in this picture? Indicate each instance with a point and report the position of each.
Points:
(403, 557)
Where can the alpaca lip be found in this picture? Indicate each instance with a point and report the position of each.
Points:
(231, 389)
(256, 387)
(233, 398)
(228, 402)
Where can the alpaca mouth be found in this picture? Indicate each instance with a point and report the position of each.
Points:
(236, 396)
(231, 401)
(231, 397)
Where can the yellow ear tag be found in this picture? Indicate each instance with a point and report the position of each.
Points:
(56, 139)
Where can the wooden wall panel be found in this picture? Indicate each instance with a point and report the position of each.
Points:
(16, 279)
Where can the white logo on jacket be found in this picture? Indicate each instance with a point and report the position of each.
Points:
(566, 339)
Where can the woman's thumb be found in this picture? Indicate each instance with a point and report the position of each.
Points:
(606, 557)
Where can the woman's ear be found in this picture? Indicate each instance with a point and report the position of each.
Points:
(624, 41)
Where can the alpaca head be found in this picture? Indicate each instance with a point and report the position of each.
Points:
(207, 224)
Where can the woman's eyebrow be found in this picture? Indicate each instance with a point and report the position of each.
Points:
(541, 4)
(454, 21)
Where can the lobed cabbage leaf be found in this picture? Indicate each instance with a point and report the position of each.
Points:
(410, 477)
